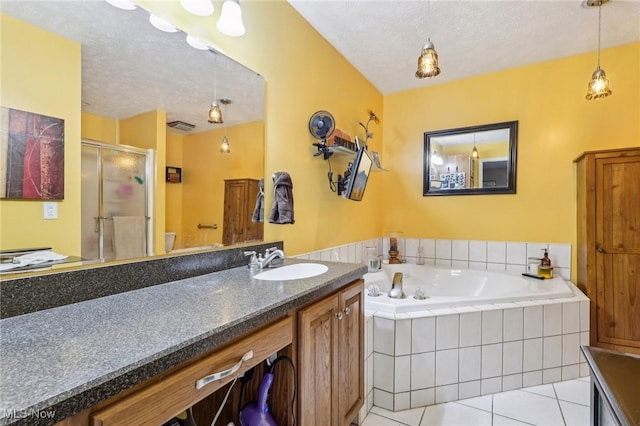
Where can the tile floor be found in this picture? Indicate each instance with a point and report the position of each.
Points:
(562, 403)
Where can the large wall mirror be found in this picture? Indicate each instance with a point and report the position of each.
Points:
(471, 160)
(129, 68)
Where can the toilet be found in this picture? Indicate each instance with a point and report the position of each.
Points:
(169, 239)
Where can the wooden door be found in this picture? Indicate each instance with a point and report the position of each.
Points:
(351, 363)
(234, 208)
(618, 252)
(317, 370)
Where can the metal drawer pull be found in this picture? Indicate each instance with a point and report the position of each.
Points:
(225, 373)
(339, 315)
(347, 310)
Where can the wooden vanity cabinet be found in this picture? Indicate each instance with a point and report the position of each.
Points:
(170, 395)
(608, 206)
(331, 358)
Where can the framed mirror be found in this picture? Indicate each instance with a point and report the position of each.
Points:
(471, 160)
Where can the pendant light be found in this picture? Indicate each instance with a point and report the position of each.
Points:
(215, 114)
(428, 59)
(230, 22)
(598, 87)
(224, 146)
(474, 151)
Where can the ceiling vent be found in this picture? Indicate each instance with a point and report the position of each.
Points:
(181, 125)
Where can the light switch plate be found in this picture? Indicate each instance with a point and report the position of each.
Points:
(50, 210)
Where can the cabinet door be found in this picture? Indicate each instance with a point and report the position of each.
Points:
(351, 363)
(234, 211)
(317, 370)
(618, 251)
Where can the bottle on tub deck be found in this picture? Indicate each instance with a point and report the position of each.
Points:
(420, 256)
(545, 269)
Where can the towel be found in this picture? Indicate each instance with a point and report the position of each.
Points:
(129, 236)
(35, 258)
(282, 210)
(258, 211)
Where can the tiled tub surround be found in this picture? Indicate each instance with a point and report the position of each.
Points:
(429, 357)
(463, 254)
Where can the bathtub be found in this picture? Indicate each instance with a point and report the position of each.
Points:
(477, 333)
(447, 288)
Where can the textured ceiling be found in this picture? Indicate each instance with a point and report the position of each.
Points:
(383, 39)
(129, 67)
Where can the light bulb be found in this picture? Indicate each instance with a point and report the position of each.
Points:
(230, 22)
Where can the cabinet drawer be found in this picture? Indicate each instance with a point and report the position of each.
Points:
(167, 397)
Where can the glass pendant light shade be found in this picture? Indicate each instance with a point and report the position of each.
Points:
(474, 152)
(224, 146)
(428, 61)
(230, 22)
(198, 7)
(215, 114)
(598, 87)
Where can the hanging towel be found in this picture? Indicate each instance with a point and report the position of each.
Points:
(129, 236)
(282, 210)
(258, 211)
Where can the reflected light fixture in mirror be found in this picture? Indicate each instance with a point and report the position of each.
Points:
(428, 59)
(198, 7)
(230, 22)
(436, 160)
(224, 146)
(474, 151)
(598, 87)
(215, 114)
(122, 4)
(161, 24)
(196, 43)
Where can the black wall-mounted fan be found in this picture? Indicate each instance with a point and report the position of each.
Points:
(321, 124)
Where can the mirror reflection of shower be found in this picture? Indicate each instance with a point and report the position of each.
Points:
(116, 193)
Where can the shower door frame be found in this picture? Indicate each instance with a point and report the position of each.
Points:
(149, 184)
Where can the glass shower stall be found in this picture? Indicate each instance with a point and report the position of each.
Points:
(116, 188)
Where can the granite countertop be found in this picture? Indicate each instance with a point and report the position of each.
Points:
(618, 375)
(69, 358)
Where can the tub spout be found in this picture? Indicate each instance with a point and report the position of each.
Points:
(396, 287)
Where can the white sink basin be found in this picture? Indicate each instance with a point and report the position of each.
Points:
(292, 272)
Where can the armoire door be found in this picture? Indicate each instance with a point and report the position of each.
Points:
(618, 251)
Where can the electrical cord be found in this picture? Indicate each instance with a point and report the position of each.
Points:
(295, 386)
(332, 184)
(224, 401)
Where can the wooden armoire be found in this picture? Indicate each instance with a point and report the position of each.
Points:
(239, 203)
(608, 185)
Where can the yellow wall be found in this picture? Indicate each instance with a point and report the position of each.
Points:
(99, 129)
(173, 208)
(148, 131)
(556, 124)
(304, 74)
(40, 72)
(204, 170)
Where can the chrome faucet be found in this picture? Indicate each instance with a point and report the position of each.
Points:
(270, 256)
(396, 287)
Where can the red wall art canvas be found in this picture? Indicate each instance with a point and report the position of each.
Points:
(31, 156)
